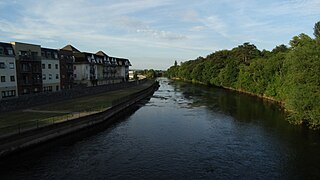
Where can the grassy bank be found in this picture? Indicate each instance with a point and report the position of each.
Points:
(64, 110)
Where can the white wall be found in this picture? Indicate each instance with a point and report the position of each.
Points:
(9, 70)
(51, 77)
(81, 72)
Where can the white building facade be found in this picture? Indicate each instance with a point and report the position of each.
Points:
(50, 70)
(8, 75)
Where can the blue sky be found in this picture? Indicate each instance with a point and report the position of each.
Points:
(154, 33)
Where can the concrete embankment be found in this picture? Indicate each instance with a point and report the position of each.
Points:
(30, 138)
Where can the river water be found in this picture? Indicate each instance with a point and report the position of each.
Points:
(183, 131)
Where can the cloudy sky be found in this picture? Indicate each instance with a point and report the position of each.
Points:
(154, 33)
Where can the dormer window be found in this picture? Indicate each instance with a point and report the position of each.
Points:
(10, 51)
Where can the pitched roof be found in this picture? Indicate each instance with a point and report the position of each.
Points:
(70, 48)
(101, 53)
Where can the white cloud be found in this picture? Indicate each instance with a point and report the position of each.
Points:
(197, 28)
(180, 28)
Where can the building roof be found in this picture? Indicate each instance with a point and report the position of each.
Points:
(69, 47)
(101, 53)
(6, 47)
(49, 49)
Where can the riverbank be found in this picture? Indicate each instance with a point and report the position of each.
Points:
(281, 104)
(34, 136)
(236, 90)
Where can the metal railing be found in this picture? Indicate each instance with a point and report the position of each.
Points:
(21, 127)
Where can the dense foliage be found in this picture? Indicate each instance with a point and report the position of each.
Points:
(149, 73)
(290, 75)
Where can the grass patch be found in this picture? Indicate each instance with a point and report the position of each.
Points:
(79, 106)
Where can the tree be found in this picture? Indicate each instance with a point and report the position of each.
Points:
(316, 32)
(175, 63)
(246, 52)
(280, 48)
(302, 84)
(299, 41)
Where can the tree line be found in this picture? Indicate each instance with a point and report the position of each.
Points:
(290, 75)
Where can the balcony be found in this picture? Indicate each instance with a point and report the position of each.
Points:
(36, 70)
(36, 83)
(70, 71)
(29, 58)
(26, 83)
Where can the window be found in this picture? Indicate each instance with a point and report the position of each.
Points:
(1, 52)
(57, 76)
(57, 88)
(43, 66)
(6, 94)
(74, 67)
(3, 79)
(26, 91)
(57, 66)
(55, 55)
(75, 75)
(34, 55)
(49, 66)
(12, 79)
(10, 51)
(11, 65)
(2, 65)
(50, 76)
(44, 77)
(43, 54)
(48, 55)
(26, 67)
(23, 53)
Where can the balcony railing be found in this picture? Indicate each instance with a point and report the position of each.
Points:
(29, 58)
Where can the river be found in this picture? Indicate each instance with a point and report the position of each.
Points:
(183, 131)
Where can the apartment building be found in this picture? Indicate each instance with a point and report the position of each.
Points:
(66, 69)
(50, 64)
(115, 73)
(97, 69)
(28, 67)
(8, 76)
(123, 68)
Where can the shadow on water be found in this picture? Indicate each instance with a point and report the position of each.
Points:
(8, 164)
(250, 112)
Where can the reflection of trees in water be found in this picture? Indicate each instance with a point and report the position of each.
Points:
(241, 107)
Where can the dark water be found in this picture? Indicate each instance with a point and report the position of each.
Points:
(184, 131)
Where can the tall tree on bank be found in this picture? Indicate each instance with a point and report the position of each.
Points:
(287, 74)
(316, 32)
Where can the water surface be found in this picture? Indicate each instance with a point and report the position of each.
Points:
(184, 131)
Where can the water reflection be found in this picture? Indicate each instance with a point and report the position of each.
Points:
(184, 131)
